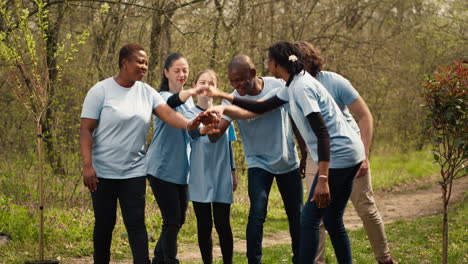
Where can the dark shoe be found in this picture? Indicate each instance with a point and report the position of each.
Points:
(388, 261)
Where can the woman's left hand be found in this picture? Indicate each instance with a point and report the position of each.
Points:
(321, 193)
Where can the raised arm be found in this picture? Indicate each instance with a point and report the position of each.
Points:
(360, 109)
(87, 127)
(181, 97)
(258, 107)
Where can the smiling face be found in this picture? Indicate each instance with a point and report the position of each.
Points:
(243, 80)
(136, 66)
(206, 79)
(177, 74)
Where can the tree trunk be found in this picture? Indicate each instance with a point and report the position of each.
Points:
(41, 191)
(445, 227)
(47, 122)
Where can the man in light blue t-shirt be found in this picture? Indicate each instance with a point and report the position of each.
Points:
(266, 161)
(349, 101)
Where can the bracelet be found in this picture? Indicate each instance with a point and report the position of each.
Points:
(323, 176)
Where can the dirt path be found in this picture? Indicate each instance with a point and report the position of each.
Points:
(410, 201)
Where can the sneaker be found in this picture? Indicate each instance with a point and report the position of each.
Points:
(388, 261)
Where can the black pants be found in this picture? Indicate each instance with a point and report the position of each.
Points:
(131, 195)
(220, 212)
(172, 200)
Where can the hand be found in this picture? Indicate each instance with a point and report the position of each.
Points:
(90, 179)
(197, 90)
(210, 90)
(218, 110)
(364, 169)
(302, 167)
(209, 118)
(235, 181)
(321, 193)
(209, 129)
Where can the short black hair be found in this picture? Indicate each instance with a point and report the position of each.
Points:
(127, 50)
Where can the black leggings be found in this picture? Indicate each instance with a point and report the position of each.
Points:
(172, 200)
(221, 216)
(131, 195)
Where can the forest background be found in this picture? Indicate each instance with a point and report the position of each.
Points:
(384, 47)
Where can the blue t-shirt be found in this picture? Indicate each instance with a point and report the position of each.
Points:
(342, 92)
(268, 139)
(210, 168)
(306, 95)
(124, 115)
(168, 153)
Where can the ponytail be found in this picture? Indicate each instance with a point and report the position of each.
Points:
(288, 56)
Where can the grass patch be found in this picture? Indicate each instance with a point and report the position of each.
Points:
(69, 229)
(391, 169)
(411, 242)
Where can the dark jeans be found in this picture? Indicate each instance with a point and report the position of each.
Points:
(131, 195)
(290, 187)
(340, 182)
(220, 212)
(172, 200)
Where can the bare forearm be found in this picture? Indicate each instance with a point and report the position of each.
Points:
(86, 142)
(236, 112)
(366, 128)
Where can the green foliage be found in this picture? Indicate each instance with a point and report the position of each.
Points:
(393, 169)
(446, 96)
(411, 242)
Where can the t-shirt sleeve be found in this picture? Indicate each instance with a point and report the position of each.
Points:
(232, 133)
(347, 92)
(93, 103)
(282, 93)
(226, 102)
(307, 99)
(157, 99)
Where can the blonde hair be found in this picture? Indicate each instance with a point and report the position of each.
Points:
(210, 72)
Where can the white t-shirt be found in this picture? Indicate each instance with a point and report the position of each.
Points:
(306, 95)
(123, 114)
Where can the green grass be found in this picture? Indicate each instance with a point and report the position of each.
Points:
(411, 242)
(389, 169)
(69, 230)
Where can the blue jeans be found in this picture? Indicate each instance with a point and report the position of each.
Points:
(290, 187)
(340, 182)
(131, 195)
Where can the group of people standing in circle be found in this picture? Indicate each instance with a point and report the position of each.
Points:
(191, 158)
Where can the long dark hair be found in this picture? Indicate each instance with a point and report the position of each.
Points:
(312, 57)
(164, 85)
(288, 56)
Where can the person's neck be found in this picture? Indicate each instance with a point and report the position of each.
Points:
(204, 102)
(175, 89)
(121, 80)
(258, 86)
(284, 75)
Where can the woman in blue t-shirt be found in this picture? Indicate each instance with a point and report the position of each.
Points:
(114, 122)
(334, 144)
(168, 159)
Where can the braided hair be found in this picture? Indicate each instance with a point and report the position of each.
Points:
(288, 56)
(164, 85)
